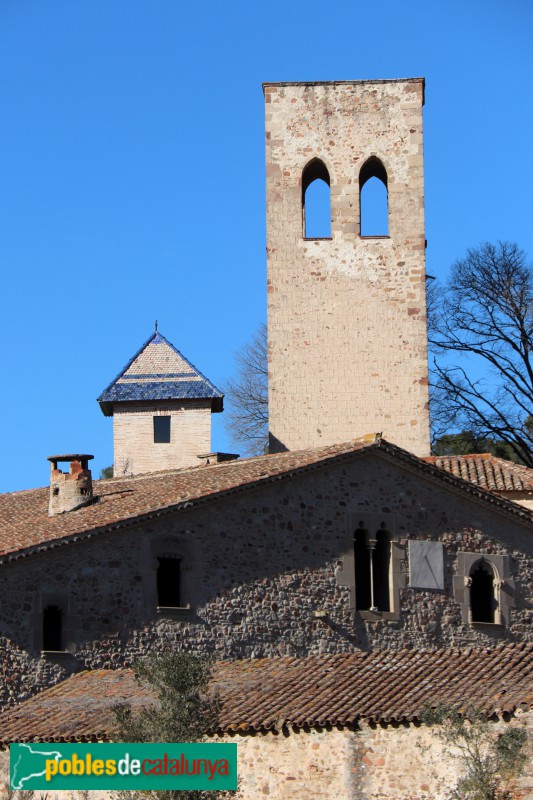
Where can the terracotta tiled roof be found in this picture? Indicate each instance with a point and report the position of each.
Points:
(487, 471)
(268, 694)
(380, 686)
(25, 526)
(159, 372)
(77, 709)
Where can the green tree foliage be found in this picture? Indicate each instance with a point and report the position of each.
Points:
(481, 332)
(464, 443)
(489, 762)
(106, 473)
(183, 712)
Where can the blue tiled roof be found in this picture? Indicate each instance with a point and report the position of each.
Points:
(171, 390)
(159, 372)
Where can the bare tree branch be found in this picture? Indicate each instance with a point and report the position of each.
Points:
(484, 316)
(247, 397)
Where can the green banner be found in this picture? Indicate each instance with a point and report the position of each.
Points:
(57, 766)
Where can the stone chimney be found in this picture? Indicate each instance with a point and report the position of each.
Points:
(72, 489)
(217, 458)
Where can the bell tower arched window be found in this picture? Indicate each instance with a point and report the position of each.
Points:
(373, 199)
(316, 201)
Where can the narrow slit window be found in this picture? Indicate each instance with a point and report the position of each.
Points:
(373, 198)
(52, 629)
(161, 430)
(168, 582)
(316, 201)
(482, 600)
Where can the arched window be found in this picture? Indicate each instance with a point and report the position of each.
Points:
(372, 570)
(373, 199)
(482, 599)
(363, 598)
(52, 629)
(484, 588)
(168, 582)
(381, 570)
(316, 201)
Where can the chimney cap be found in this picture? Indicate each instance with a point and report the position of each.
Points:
(71, 457)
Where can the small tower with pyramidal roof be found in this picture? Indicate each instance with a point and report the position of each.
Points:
(161, 407)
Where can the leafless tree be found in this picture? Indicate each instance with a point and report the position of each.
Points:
(247, 397)
(481, 334)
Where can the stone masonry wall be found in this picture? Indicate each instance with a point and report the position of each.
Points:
(255, 567)
(389, 762)
(347, 315)
(392, 762)
(133, 433)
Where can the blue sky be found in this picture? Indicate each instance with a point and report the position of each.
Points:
(132, 177)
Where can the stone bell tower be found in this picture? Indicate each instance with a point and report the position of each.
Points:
(346, 313)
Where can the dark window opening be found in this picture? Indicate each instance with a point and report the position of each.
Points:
(373, 199)
(372, 567)
(161, 430)
(168, 582)
(363, 596)
(381, 569)
(482, 602)
(52, 628)
(316, 201)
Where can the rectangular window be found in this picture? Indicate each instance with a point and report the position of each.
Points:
(168, 582)
(52, 629)
(161, 430)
